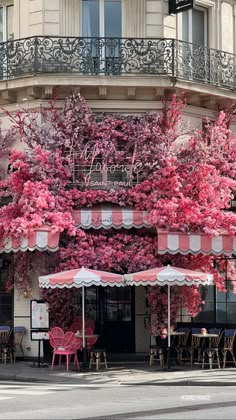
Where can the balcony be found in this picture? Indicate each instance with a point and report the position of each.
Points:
(116, 57)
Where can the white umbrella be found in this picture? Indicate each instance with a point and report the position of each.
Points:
(81, 278)
(169, 276)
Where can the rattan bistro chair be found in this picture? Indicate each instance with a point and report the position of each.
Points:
(213, 350)
(6, 344)
(181, 346)
(19, 333)
(228, 347)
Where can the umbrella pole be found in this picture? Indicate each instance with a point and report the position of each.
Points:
(83, 329)
(168, 316)
(169, 355)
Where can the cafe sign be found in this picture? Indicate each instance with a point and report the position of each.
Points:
(177, 6)
(99, 172)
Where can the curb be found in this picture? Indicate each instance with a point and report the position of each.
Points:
(183, 382)
(180, 383)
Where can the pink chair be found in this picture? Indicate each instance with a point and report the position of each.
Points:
(78, 319)
(68, 347)
(56, 336)
(75, 326)
(90, 323)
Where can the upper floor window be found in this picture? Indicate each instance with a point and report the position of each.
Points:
(195, 26)
(101, 18)
(6, 22)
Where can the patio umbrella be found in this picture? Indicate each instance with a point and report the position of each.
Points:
(81, 278)
(169, 276)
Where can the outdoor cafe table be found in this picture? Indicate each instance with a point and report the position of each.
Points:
(79, 334)
(209, 337)
(170, 351)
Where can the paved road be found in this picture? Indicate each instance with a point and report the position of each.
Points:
(25, 400)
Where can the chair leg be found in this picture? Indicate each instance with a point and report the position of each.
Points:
(152, 354)
(97, 356)
(161, 357)
(76, 362)
(105, 359)
(191, 357)
(203, 359)
(53, 360)
(60, 360)
(218, 358)
(210, 358)
(91, 360)
(224, 358)
(231, 351)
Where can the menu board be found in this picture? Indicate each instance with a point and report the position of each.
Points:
(39, 335)
(39, 315)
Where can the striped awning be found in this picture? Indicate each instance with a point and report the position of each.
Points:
(40, 239)
(110, 217)
(195, 243)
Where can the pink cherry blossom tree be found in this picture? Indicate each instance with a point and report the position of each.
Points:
(185, 188)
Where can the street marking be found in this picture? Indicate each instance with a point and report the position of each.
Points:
(24, 392)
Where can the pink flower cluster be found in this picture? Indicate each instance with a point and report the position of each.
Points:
(185, 188)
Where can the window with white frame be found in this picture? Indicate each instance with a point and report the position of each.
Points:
(101, 18)
(6, 22)
(195, 26)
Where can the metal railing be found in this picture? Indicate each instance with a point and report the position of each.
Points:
(117, 56)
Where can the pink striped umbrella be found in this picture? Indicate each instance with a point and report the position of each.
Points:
(169, 276)
(81, 278)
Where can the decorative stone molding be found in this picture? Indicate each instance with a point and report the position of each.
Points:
(9, 96)
(33, 92)
(102, 91)
(131, 92)
(48, 91)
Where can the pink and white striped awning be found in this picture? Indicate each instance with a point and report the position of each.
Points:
(195, 243)
(110, 217)
(41, 239)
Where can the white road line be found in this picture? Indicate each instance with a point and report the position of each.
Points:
(25, 392)
(5, 398)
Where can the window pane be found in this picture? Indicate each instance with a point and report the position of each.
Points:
(112, 18)
(221, 312)
(1, 24)
(231, 312)
(198, 27)
(90, 18)
(207, 293)
(124, 312)
(112, 312)
(207, 314)
(185, 23)
(10, 34)
(221, 296)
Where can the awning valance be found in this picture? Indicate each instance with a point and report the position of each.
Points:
(41, 239)
(195, 243)
(110, 217)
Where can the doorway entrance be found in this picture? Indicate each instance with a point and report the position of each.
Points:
(113, 309)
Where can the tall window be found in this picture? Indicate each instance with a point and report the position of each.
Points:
(6, 22)
(194, 26)
(101, 18)
(220, 307)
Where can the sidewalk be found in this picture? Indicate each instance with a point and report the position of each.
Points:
(119, 374)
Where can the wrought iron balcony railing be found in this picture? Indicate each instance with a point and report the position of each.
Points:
(117, 56)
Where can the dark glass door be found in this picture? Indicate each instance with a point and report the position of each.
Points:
(113, 310)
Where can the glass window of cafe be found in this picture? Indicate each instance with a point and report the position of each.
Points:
(219, 307)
